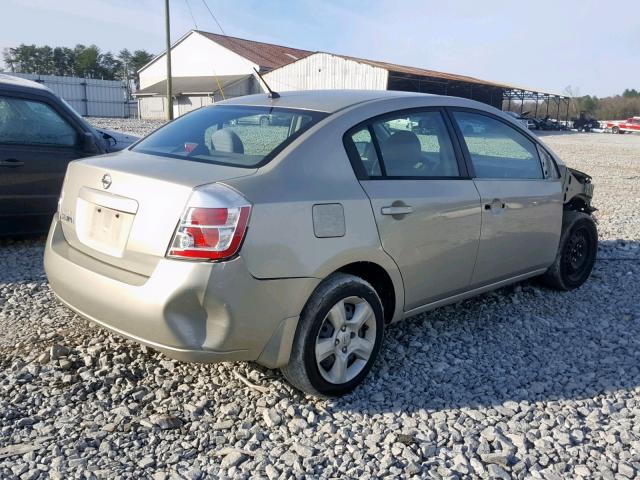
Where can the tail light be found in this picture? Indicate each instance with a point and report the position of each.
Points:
(212, 226)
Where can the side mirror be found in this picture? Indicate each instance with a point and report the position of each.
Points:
(89, 144)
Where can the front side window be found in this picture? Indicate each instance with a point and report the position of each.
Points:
(229, 135)
(549, 167)
(411, 145)
(28, 122)
(496, 149)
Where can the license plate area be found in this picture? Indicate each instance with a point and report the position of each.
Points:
(101, 228)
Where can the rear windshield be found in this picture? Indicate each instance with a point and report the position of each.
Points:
(238, 136)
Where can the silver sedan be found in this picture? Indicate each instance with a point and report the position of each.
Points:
(295, 243)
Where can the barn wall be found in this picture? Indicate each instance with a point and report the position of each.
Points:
(196, 56)
(155, 107)
(326, 71)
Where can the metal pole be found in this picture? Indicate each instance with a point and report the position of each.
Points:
(535, 115)
(548, 102)
(168, 33)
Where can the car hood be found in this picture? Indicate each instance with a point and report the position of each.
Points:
(116, 141)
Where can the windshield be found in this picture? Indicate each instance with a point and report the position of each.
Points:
(238, 136)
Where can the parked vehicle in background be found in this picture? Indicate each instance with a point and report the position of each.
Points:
(264, 119)
(629, 125)
(39, 134)
(526, 122)
(585, 122)
(211, 240)
(548, 123)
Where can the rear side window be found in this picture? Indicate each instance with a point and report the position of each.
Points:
(496, 149)
(411, 145)
(363, 143)
(28, 122)
(230, 135)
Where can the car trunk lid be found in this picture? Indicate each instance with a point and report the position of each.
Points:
(122, 209)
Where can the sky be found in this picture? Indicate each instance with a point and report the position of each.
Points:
(545, 45)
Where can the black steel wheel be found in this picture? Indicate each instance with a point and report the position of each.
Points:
(576, 252)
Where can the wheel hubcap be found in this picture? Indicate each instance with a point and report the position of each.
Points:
(346, 340)
(578, 251)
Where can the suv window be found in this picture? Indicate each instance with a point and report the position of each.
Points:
(28, 122)
(412, 145)
(496, 149)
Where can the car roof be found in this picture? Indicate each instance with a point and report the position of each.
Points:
(21, 84)
(328, 101)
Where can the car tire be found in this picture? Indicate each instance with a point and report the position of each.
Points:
(615, 130)
(576, 252)
(325, 359)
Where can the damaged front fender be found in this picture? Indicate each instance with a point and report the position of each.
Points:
(578, 191)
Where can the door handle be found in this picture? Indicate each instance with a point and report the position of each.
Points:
(11, 162)
(399, 210)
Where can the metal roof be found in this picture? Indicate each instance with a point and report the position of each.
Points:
(191, 85)
(421, 72)
(266, 55)
(270, 56)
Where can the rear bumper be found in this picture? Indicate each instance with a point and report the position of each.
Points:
(191, 311)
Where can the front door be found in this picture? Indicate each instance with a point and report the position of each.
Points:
(521, 196)
(36, 144)
(426, 208)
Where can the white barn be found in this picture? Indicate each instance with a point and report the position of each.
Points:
(207, 67)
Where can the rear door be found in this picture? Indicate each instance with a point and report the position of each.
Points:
(426, 207)
(521, 196)
(36, 144)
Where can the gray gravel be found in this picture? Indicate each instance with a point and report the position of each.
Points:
(520, 383)
(131, 126)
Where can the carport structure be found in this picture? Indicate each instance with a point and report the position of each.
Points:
(321, 70)
(560, 102)
(414, 79)
(499, 95)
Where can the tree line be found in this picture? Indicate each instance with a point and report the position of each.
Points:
(618, 107)
(80, 61)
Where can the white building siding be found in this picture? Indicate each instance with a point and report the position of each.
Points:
(154, 107)
(196, 56)
(325, 71)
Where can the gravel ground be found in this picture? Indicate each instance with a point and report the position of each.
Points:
(523, 382)
(131, 126)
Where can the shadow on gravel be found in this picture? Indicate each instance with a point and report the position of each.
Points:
(520, 343)
(21, 259)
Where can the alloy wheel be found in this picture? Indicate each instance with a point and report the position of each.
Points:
(346, 340)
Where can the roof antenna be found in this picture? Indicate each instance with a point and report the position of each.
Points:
(271, 94)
